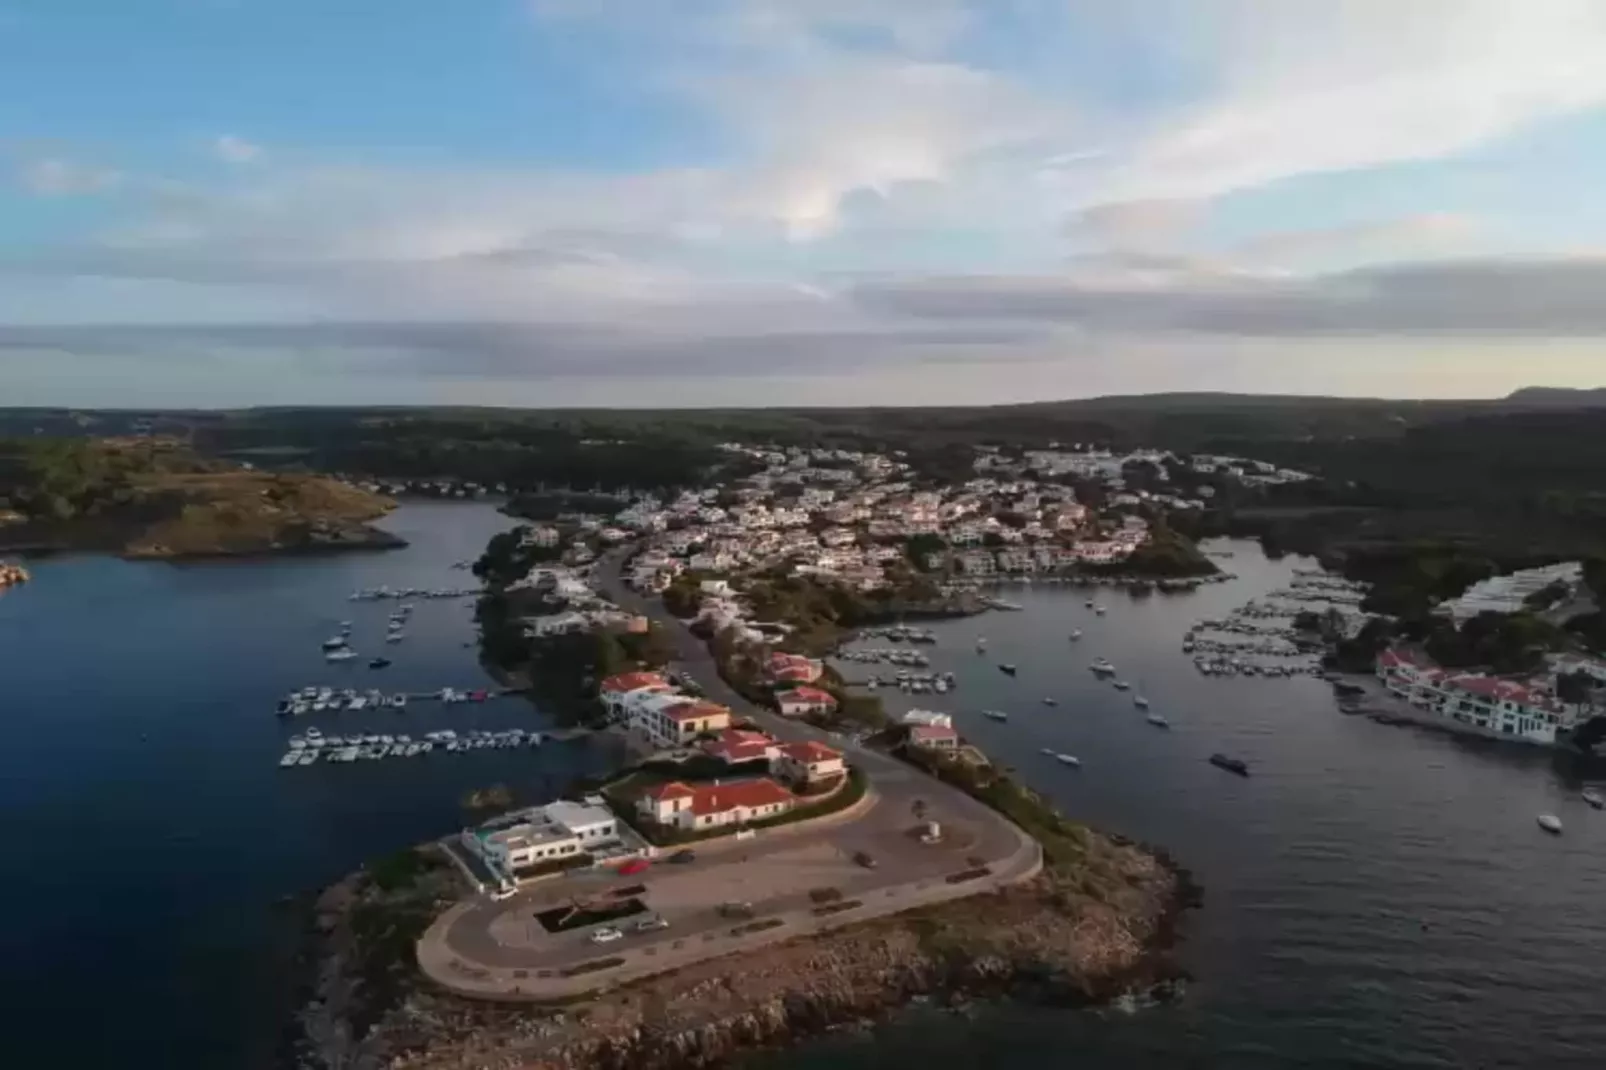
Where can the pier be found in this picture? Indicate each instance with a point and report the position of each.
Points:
(325, 699)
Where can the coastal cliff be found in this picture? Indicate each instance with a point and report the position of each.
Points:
(1076, 935)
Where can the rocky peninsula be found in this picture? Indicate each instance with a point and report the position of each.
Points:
(144, 498)
(1089, 929)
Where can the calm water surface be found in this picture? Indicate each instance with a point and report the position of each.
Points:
(1375, 896)
(148, 830)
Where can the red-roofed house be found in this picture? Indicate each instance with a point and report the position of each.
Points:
(1497, 706)
(620, 693)
(934, 737)
(793, 669)
(801, 700)
(707, 806)
(676, 724)
(809, 762)
(736, 745)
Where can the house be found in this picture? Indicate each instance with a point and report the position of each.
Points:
(808, 762)
(675, 724)
(934, 737)
(737, 745)
(929, 718)
(708, 806)
(802, 700)
(616, 691)
(1494, 705)
(793, 668)
(549, 833)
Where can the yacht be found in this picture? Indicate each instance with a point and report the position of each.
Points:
(1594, 798)
(395, 637)
(1140, 702)
(1102, 666)
(1158, 721)
(1550, 823)
(342, 654)
(1050, 701)
(1047, 751)
(335, 642)
(981, 643)
(1231, 765)
(1090, 603)
(1076, 634)
(1007, 669)
(995, 715)
(290, 758)
(1068, 759)
(379, 663)
(1121, 685)
(1100, 610)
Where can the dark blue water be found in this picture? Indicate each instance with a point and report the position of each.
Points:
(146, 831)
(1375, 896)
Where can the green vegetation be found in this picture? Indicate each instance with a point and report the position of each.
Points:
(1167, 554)
(1505, 643)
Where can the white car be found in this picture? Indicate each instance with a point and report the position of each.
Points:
(606, 935)
(651, 923)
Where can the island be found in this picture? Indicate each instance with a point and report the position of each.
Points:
(153, 497)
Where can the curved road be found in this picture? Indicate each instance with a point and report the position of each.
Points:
(498, 950)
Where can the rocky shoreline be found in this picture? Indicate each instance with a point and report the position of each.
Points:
(1083, 934)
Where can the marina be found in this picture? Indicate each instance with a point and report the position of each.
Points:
(314, 747)
(315, 699)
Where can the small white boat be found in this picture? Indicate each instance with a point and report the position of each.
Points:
(995, 715)
(1068, 759)
(343, 654)
(1050, 701)
(1102, 666)
(336, 642)
(1076, 634)
(981, 643)
(395, 637)
(1550, 823)
(1121, 685)
(1594, 798)
(1100, 610)
(290, 758)
(1158, 721)
(1048, 751)
(1140, 702)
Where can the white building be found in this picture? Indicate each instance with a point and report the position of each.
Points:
(1507, 594)
(1496, 706)
(550, 833)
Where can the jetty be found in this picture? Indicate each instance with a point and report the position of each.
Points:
(314, 747)
(324, 699)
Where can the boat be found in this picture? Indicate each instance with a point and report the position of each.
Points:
(995, 715)
(1231, 765)
(1550, 823)
(290, 758)
(981, 644)
(395, 637)
(1050, 701)
(343, 654)
(379, 663)
(1090, 603)
(1102, 666)
(1068, 759)
(1007, 669)
(398, 700)
(1594, 798)
(1048, 751)
(335, 642)
(1076, 633)
(1121, 685)
(1100, 610)
(1140, 702)
(1158, 721)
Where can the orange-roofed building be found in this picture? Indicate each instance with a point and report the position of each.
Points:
(793, 669)
(736, 745)
(709, 806)
(675, 724)
(809, 762)
(800, 700)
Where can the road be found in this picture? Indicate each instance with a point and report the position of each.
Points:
(498, 950)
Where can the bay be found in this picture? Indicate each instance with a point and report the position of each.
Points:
(149, 834)
(1375, 896)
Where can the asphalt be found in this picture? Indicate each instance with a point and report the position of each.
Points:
(497, 950)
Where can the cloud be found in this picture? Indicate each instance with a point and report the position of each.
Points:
(56, 177)
(1137, 224)
(235, 150)
(1538, 298)
(1366, 240)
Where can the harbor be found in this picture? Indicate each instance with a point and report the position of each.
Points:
(314, 747)
(328, 699)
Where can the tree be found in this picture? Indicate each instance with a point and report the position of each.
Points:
(1575, 688)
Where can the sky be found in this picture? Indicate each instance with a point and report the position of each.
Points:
(797, 202)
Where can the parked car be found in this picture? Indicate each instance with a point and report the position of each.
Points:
(632, 867)
(651, 923)
(680, 858)
(606, 935)
(864, 859)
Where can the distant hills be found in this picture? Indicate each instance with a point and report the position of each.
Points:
(1559, 397)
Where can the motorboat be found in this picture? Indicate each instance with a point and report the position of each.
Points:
(1231, 765)
(1121, 685)
(1158, 720)
(1007, 669)
(1140, 702)
(1076, 634)
(1102, 666)
(1068, 759)
(1550, 823)
(1047, 751)
(1047, 701)
(981, 643)
(1100, 610)
(395, 637)
(379, 663)
(343, 654)
(335, 642)
(290, 758)
(1594, 798)
(995, 715)
(1090, 603)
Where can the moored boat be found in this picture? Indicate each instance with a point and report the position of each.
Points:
(1140, 702)
(1231, 765)
(1047, 701)
(1007, 669)
(1068, 759)
(995, 715)
(1550, 823)
(1593, 798)
(1158, 721)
